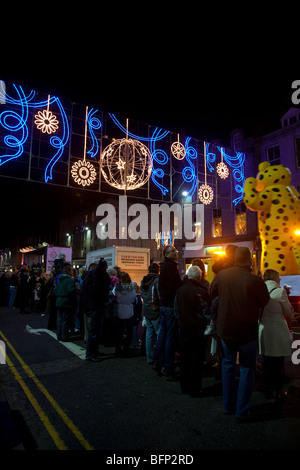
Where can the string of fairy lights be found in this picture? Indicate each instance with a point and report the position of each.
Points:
(125, 164)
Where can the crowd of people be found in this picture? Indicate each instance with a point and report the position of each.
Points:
(245, 313)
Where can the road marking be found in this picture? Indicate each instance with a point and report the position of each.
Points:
(74, 348)
(68, 422)
(40, 412)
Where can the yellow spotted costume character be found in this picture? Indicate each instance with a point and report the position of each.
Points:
(278, 207)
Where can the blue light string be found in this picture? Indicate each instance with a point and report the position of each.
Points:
(57, 142)
(161, 157)
(20, 125)
(237, 163)
(234, 161)
(189, 173)
(161, 133)
(210, 157)
(93, 123)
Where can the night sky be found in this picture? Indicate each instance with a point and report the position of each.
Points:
(206, 103)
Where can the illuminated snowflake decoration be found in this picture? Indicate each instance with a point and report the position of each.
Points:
(126, 164)
(83, 173)
(46, 122)
(222, 170)
(178, 150)
(205, 194)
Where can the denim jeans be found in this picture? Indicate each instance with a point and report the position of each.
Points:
(95, 328)
(164, 354)
(247, 361)
(63, 323)
(152, 332)
(12, 296)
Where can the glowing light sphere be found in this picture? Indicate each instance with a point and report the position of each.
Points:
(178, 150)
(126, 164)
(83, 173)
(205, 194)
(222, 170)
(46, 121)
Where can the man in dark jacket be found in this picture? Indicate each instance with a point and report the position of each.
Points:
(242, 295)
(65, 302)
(95, 291)
(150, 295)
(192, 306)
(169, 283)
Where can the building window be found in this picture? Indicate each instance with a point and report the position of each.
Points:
(297, 151)
(273, 155)
(240, 219)
(217, 223)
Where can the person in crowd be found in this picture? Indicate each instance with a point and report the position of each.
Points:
(125, 295)
(150, 294)
(51, 301)
(85, 305)
(24, 289)
(223, 263)
(13, 281)
(169, 283)
(275, 339)
(95, 290)
(118, 271)
(2, 289)
(198, 262)
(192, 307)
(65, 302)
(138, 309)
(111, 312)
(77, 323)
(226, 261)
(241, 296)
(59, 263)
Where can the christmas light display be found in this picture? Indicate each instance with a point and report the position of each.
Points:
(126, 164)
(37, 132)
(222, 169)
(178, 150)
(46, 121)
(84, 172)
(205, 192)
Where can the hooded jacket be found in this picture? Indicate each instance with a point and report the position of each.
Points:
(65, 292)
(125, 296)
(150, 294)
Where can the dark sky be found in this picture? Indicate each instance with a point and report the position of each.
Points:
(206, 99)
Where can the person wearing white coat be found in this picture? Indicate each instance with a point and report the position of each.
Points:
(275, 341)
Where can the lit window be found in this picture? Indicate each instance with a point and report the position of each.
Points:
(240, 219)
(217, 223)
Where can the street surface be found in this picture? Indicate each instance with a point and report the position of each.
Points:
(60, 401)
